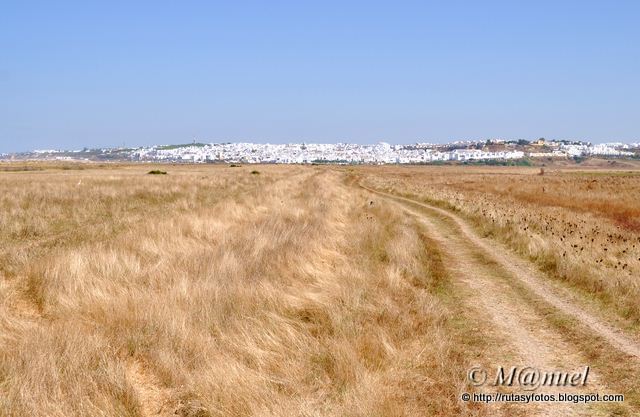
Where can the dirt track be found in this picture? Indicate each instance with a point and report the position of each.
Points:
(487, 275)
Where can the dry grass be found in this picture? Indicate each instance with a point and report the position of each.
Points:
(213, 292)
(581, 227)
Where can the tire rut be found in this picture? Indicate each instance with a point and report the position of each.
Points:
(527, 275)
(524, 337)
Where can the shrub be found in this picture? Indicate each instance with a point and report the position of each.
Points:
(157, 172)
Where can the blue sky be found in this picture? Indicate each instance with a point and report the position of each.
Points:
(75, 74)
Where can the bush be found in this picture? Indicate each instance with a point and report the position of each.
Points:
(255, 172)
(157, 172)
(234, 166)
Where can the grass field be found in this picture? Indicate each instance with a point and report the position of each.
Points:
(311, 290)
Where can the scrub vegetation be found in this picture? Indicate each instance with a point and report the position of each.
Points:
(213, 292)
(303, 291)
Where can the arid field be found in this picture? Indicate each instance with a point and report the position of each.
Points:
(314, 290)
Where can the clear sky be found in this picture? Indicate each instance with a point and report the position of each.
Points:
(90, 73)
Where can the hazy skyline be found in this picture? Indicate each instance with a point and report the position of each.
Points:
(74, 74)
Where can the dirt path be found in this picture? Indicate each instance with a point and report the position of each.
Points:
(527, 274)
(522, 337)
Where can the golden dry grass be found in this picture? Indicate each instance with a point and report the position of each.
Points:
(213, 292)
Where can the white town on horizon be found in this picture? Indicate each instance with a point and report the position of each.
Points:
(380, 153)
